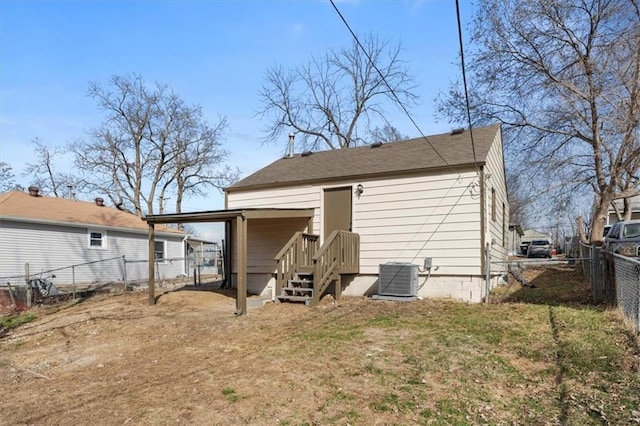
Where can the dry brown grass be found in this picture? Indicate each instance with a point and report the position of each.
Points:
(115, 360)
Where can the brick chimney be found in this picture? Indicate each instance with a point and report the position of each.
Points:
(99, 201)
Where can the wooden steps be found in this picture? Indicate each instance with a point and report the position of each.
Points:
(298, 289)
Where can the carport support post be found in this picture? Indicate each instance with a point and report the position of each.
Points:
(152, 272)
(241, 261)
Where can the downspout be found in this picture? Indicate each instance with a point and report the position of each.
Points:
(483, 223)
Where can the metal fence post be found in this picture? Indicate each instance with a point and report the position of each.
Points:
(638, 299)
(73, 280)
(26, 278)
(13, 300)
(594, 280)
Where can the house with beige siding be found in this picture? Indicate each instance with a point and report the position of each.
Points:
(83, 242)
(436, 202)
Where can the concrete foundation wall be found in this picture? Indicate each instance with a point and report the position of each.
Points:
(464, 288)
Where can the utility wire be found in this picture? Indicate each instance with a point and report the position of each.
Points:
(395, 96)
(416, 125)
(466, 92)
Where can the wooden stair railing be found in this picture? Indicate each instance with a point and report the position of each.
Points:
(296, 255)
(340, 254)
(301, 264)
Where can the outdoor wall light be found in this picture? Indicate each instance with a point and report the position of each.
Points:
(359, 190)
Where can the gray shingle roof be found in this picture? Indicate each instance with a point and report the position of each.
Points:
(388, 159)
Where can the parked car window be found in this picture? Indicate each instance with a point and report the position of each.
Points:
(615, 231)
(631, 230)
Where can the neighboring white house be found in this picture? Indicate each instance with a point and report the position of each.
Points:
(612, 217)
(439, 197)
(56, 233)
(515, 239)
(533, 234)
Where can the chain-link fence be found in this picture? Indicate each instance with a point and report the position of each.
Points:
(614, 279)
(623, 274)
(39, 286)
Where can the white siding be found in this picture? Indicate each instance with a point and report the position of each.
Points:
(47, 247)
(399, 220)
(302, 197)
(498, 228)
(265, 238)
(408, 219)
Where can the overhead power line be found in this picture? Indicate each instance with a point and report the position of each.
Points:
(466, 91)
(395, 96)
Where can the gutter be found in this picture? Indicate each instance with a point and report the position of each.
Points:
(87, 225)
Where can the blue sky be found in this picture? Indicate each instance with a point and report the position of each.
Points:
(212, 53)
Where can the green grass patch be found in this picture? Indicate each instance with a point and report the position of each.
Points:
(13, 321)
(230, 394)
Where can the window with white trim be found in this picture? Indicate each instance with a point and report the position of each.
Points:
(159, 249)
(97, 239)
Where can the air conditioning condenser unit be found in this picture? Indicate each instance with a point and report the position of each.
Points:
(398, 279)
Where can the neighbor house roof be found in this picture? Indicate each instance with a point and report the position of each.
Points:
(441, 151)
(22, 206)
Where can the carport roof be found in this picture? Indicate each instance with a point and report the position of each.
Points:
(224, 215)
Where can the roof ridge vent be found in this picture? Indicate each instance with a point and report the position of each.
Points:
(457, 131)
(376, 145)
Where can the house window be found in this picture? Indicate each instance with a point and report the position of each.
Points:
(159, 250)
(493, 204)
(97, 239)
(504, 225)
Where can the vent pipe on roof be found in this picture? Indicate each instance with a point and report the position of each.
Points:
(292, 136)
(33, 191)
(99, 201)
(457, 131)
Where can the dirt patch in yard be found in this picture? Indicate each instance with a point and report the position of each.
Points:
(112, 359)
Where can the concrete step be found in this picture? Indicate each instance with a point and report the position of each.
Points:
(305, 299)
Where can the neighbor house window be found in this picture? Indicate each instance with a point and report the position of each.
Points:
(97, 239)
(159, 250)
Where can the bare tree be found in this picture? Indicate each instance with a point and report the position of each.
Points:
(332, 99)
(564, 77)
(386, 133)
(520, 196)
(45, 171)
(198, 159)
(139, 150)
(7, 178)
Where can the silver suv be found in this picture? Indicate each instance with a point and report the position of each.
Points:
(539, 248)
(624, 238)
